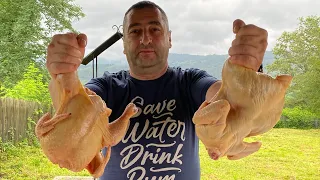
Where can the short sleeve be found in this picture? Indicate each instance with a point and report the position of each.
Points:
(200, 83)
(98, 86)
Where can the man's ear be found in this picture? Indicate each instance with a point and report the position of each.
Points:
(170, 44)
(124, 47)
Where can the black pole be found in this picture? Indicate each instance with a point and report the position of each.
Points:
(96, 66)
(92, 69)
(93, 56)
(105, 45)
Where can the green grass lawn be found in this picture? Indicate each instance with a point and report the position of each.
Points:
(285, 154)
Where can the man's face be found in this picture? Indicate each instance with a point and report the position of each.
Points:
(147, 39)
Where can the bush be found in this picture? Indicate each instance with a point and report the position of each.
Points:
(298, 118)
(32, 87)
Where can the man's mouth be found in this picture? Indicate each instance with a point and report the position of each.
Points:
(146, 51)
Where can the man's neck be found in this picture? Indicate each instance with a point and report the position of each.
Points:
(151, 75)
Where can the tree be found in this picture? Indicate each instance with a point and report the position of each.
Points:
(26, 28)
(31, 87)
(298, 53)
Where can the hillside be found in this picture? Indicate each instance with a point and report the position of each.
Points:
(210, 63)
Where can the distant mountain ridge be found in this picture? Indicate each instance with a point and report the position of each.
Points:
(211, 63)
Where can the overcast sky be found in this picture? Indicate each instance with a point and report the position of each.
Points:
(198, 26)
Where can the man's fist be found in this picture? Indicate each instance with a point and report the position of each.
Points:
(65, 53)
(249, 45)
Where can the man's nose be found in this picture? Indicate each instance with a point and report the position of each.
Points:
(145, 38)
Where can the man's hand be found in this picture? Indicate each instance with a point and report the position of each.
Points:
(65, 53)
(249, 46)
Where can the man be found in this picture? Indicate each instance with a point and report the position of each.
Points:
(161, 142)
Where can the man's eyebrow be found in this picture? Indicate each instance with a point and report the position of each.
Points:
(154, 22)
(139, 24)
(133, 25)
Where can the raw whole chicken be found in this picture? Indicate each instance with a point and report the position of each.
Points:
(80, 128)
(248, 103)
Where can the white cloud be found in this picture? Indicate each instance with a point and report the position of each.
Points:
(198, 26)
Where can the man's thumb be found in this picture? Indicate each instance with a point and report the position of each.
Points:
(237, 24)
(82, 40)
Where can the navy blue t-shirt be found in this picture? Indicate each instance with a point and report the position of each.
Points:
(161, 142)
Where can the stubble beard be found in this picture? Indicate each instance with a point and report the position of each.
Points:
(148, 66)
(146, 63)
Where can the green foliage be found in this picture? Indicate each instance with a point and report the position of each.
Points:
(31, 138)
(2, 90)
(32, 87)
(4, 146)
(26, 28)
(298, 118)
(298, 53)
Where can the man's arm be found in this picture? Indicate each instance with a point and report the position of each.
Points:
(247, 50)
(64, 55)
